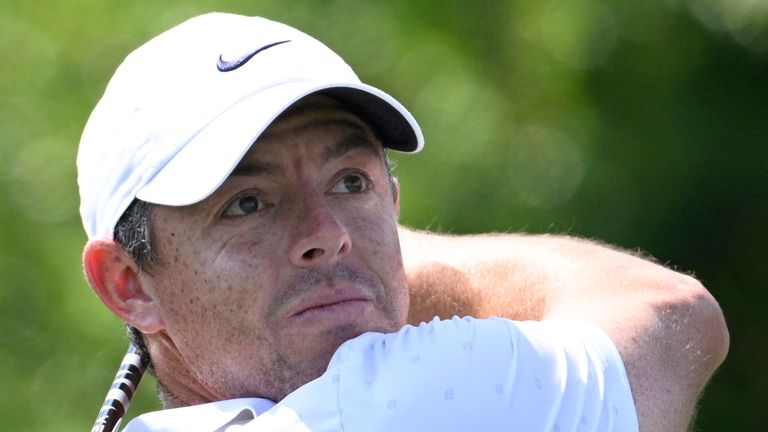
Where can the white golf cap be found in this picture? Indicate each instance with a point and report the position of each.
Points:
(182, 110)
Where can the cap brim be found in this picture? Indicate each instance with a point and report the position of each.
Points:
(203, 164)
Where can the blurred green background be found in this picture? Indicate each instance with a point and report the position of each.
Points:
(643, 124)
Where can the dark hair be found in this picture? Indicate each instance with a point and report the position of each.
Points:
(134, 232)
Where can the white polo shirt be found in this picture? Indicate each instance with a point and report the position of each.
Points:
(462, 374)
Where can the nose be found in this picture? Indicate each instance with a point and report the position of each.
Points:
(321, 238)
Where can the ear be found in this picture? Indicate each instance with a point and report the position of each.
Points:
(115, 278)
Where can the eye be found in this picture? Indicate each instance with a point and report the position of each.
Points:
(351, 183)
(243, 205)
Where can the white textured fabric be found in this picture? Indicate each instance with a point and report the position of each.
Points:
(454, 375)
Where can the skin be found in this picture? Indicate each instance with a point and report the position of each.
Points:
(260, 282)
(669, 330)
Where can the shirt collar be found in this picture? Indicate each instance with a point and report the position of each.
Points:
(212, 416)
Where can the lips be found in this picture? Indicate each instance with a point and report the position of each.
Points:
(329, 304)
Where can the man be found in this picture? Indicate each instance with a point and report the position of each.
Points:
(242, 219)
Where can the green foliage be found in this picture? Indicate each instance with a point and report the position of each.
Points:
(639, 123)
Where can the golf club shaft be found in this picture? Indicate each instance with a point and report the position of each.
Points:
(123, 388)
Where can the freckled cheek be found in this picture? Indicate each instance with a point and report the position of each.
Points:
(176, 279)
(204, 282)
(242, 275)
(212, 305)
(192, 290)
(376, 234)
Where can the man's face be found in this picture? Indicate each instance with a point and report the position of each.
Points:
(294, 254)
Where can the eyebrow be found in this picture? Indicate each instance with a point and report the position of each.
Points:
(355, 139)
(257, 168)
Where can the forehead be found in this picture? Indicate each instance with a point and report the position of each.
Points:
(325, 123)
(316, 111)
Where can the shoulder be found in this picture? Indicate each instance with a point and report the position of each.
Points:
(474, 375)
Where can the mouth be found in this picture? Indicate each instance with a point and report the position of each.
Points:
(330, 306)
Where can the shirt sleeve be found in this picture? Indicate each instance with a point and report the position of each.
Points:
(467, 374)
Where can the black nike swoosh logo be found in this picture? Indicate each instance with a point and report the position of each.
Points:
(230, 65)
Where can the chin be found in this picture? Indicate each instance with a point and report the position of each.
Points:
(352, 330)
(317, 352)
(340, 334)
(331, 339)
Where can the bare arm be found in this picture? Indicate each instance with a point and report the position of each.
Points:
(668, 329)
